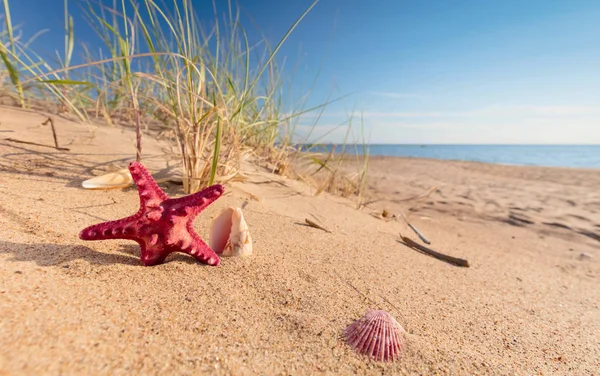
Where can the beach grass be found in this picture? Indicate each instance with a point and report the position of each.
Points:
(220, 96)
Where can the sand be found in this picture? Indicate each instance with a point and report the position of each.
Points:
(528, 304)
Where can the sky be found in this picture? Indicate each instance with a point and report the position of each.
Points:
(420, 71)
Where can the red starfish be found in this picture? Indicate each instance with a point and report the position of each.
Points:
(162, 225)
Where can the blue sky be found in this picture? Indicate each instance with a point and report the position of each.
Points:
(425, 71)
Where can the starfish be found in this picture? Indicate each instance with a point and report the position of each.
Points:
(162, 225)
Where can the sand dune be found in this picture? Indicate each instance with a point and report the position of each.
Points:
(527, 305)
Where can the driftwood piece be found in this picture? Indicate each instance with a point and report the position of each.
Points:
(440, 256)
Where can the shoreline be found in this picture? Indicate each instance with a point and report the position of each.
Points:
(359, 153)
(383, 157)
(360, 159)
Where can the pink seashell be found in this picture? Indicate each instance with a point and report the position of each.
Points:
(377, 334)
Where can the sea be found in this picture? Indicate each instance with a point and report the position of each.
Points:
(575, 156)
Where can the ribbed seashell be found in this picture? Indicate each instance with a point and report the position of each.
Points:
(377, 334)
(229, 234)
(117, 179)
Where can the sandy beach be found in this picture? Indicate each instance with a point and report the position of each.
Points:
(528, 304)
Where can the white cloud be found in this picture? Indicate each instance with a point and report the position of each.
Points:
(495, 110)
(532, 130)
(489, 124)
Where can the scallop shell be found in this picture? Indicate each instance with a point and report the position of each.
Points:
(378, 335)
(229, 234)
(117, 179)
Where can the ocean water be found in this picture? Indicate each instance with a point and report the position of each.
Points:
(577, 156)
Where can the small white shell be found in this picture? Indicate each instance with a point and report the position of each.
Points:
(229, 234)
(377, 334)
(117, 179)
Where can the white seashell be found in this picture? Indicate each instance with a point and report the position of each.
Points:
(378, 335)
(229, 234)
(117, 179)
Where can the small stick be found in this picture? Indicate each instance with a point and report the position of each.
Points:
(49, 120)
(315, 225)
(416, 230)
(452, 260)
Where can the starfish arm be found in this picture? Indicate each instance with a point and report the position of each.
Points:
(150, 193)
(199, 201)
(201, 251)
(120, 229)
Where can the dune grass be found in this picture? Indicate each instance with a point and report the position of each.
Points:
(218, 94)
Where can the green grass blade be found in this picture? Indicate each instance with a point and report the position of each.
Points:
(66, 82)
(217, 149)
(12, 70)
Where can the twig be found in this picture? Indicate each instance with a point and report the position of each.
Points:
(440, 256)
(416, 230)
(49, 120)
(314, 224)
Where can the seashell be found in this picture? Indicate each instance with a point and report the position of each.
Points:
(229, 234)
(377, 334)
(117, 179)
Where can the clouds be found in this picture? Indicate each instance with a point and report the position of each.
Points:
(493, 110)
(489, 124)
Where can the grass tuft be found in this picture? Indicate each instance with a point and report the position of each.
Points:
(159, 70)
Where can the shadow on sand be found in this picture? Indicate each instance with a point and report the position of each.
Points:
(70, 167)
(46, 254)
